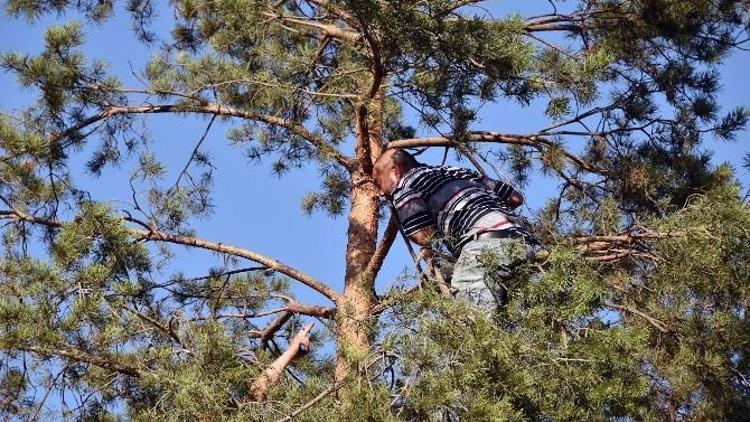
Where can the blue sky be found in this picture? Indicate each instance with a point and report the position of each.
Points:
(259, 211)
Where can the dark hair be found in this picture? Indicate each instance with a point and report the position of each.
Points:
(404, 160)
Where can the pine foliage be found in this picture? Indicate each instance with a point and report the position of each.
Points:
(637, 312)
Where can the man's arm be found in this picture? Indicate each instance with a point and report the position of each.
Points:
(504, 191)
(415, 217)
(507, 194)
(424, 237)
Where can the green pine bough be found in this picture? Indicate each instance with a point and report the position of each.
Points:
(637, 310)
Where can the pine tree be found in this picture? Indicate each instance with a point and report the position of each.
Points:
(638, 309)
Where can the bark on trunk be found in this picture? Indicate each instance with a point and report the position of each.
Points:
(355, 322)
(354, 330)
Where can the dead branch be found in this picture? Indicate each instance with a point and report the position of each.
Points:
(571, 27)
(332, 31)
(299, 344)
(442, 285)
(461, 3)
(620, 238)
(312, 402)
(558, 22)
(659, 325)
(608, 248)
(339, 12)
(311, 310)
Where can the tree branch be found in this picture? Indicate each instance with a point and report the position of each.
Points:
(323, 394)
(194, 152)
(298, 308)
(269, 377)
(613, 247)
(572, 27)
(310, 310)
(389, 300)
(218, 110)
(535, 141)
(265, 334)
(272, 264)
(362, 148)
(339, 12)
(160, 236)
(376, 126)
(558, 22)
(164, 328)
(389, 236)
(294, 307)
(80, 356)
(461, 3)
(659, 325)
(332, 31)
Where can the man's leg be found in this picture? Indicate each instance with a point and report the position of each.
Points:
(483, 267)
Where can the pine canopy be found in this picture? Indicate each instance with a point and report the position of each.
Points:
(637, 310)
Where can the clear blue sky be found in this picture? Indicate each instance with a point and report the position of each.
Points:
(277, 226)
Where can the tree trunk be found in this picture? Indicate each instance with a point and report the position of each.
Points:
(355, 321)
(355, 324)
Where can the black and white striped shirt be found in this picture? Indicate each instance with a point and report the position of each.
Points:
(457, 202)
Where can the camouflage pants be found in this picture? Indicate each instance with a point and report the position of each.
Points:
(483, 267)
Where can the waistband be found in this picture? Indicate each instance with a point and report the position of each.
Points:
(513, 233)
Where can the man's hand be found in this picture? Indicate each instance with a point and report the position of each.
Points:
(515, 200)
(424, 237)
(426, 254)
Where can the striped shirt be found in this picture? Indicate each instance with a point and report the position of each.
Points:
(457, 202)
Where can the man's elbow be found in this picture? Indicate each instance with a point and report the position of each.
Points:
(515, 200)
(424, 237)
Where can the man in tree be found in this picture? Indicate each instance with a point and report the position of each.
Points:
(472, 214)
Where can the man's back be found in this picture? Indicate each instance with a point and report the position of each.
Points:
(457, 202)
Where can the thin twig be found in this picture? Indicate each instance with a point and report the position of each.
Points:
(194, 153)
(312, 402)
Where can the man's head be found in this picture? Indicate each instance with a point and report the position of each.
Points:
(392, 165)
